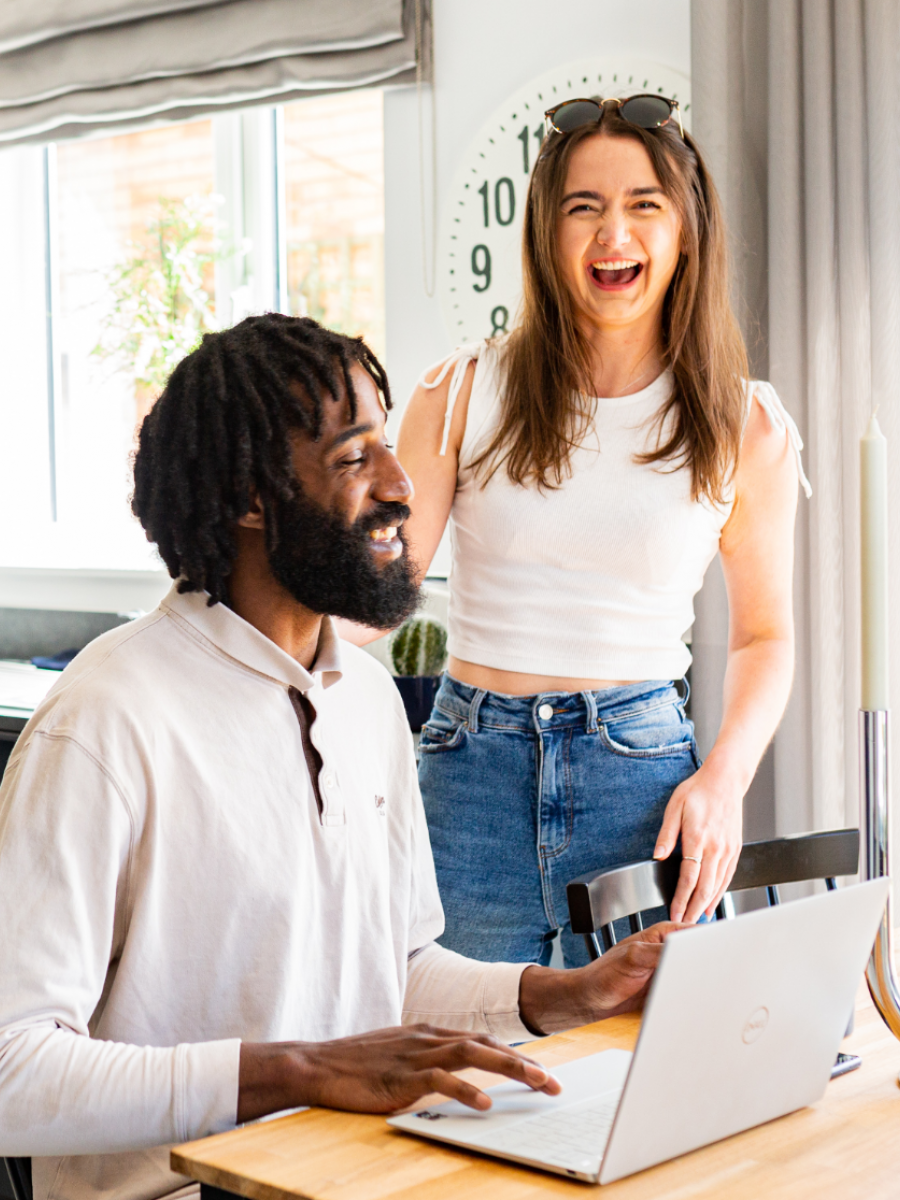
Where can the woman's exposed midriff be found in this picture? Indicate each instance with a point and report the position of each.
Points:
(518, 683)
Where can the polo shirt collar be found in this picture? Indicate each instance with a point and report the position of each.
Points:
(238, 639)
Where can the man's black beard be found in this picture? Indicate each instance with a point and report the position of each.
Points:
(330, 567)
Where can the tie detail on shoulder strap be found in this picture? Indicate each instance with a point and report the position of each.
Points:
(459, 360)
(781, 420)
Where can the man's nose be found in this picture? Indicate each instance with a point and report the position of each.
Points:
(392, 482)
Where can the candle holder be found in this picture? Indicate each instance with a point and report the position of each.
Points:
(874, 830)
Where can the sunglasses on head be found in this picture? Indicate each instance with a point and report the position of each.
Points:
(648, 111)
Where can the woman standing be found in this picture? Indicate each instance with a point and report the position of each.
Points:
(590, 465)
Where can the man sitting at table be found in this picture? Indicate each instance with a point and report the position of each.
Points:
(216, 889)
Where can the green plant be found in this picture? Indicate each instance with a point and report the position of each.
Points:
(419, 646)
(161, 303)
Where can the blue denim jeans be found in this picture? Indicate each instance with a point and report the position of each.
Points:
(524, 793)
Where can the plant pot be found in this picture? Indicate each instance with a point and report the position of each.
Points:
(417, 692)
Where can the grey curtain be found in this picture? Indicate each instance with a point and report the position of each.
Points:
(70, 67)
(793, 103)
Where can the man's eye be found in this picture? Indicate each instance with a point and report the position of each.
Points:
(352, 462)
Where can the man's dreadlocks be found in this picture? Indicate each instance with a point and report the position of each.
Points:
(221, 431)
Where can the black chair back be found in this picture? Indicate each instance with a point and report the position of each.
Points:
(19, 1172)
(599, 898)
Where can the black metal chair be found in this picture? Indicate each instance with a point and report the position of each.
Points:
(600, 898)
(19, 1172)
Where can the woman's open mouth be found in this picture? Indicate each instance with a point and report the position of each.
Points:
(615, 274)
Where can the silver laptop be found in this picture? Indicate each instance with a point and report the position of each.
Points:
(742, 1025)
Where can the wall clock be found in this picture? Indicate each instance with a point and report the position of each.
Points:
(478, 256)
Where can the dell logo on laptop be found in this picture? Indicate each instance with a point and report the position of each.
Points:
(755, 1026)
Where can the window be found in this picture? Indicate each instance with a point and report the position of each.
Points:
(267, 209)
(334, 212)
(116, 200)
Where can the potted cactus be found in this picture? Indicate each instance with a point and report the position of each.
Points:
(418, 652)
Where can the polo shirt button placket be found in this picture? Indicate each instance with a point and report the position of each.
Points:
(332, 808)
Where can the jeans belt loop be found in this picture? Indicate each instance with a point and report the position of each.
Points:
(472, 720)
(590, 702)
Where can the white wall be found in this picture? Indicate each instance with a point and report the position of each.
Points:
(484, 50)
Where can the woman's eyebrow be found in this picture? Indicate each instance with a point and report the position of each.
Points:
(642, 191)
(582, 196)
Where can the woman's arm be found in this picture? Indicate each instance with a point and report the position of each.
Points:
(757, 550)
(433, 476)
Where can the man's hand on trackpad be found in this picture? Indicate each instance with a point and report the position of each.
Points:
(377, 1072)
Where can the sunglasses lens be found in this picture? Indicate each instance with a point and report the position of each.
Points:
(574, 115)
(647, 111)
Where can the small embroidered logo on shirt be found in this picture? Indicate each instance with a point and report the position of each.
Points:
(379, 805)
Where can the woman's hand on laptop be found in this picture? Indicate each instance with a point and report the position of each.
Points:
(378, 1072)
(616, 983)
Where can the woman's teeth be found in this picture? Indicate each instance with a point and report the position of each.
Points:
(383, 535)
(618, 270)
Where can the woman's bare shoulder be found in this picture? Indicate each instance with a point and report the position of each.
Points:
(443, 388)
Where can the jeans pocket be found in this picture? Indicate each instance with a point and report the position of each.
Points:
(442, 731)
(651, 733)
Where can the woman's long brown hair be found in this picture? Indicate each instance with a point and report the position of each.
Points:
(546, 371)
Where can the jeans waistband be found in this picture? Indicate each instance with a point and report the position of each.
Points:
(547, 710)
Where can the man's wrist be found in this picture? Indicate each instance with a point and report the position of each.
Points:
(550, 1000)
(270, 1078)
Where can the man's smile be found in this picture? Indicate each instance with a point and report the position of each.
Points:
(386, 541)
(383, 535)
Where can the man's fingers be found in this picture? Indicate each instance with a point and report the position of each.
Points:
(471, 1053)
(447, 1084)
(643, 957)
(652, 934)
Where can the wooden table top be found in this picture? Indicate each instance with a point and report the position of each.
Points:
(846, 1147)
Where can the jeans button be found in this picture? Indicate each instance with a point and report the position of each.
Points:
(545, 712)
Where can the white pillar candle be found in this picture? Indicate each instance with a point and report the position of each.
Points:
(873, 550)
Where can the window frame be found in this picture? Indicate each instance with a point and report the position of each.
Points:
(249, 172)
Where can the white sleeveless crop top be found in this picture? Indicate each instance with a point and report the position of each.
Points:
(596, 578)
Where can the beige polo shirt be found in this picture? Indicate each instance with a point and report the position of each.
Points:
(169, 886)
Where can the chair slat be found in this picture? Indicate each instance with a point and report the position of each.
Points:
(600, 898)
(794, 859)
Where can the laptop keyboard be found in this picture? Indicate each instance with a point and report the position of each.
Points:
(577, 1130)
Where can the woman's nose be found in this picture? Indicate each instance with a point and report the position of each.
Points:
(614, 231)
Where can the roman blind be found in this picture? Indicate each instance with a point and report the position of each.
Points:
(73, 67)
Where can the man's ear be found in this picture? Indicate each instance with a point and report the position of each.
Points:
(254, 517)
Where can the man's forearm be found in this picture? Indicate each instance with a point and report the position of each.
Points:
(63, 1093)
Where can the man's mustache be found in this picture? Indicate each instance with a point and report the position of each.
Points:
(382, 515)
